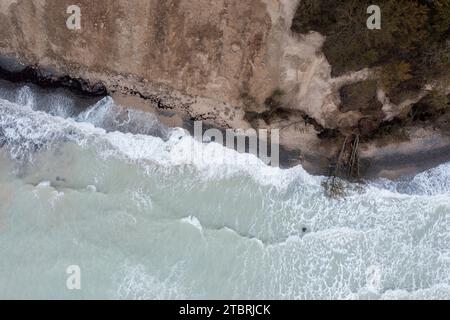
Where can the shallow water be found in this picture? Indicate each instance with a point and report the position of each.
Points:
(129, 201)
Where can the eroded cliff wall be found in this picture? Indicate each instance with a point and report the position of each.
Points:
(222, 50)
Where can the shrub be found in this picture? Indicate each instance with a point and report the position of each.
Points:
(413, 41)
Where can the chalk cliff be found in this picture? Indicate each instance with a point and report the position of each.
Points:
(231, 54)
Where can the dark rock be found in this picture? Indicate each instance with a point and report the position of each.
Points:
(361, 96)
(11, 65)
(13, 71)
(328, 134)
(367, 126)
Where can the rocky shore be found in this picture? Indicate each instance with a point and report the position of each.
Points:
(232, 65)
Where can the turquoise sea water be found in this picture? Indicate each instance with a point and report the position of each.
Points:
(123, 197)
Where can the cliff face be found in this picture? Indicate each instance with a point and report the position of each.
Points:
(221, 50)
(225, 57)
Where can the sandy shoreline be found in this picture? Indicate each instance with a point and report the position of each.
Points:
(394, 165)
(426, 149)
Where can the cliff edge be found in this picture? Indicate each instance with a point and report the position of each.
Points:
(232, 64)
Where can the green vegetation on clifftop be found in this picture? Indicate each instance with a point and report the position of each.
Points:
(413, 45)
(410, 52)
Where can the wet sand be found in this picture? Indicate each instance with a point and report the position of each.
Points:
(397, 159)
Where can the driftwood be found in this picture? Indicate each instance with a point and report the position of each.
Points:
(345, 168)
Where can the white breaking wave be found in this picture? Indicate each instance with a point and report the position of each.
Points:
(25, 97)
(27, 130)
(192, 226)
